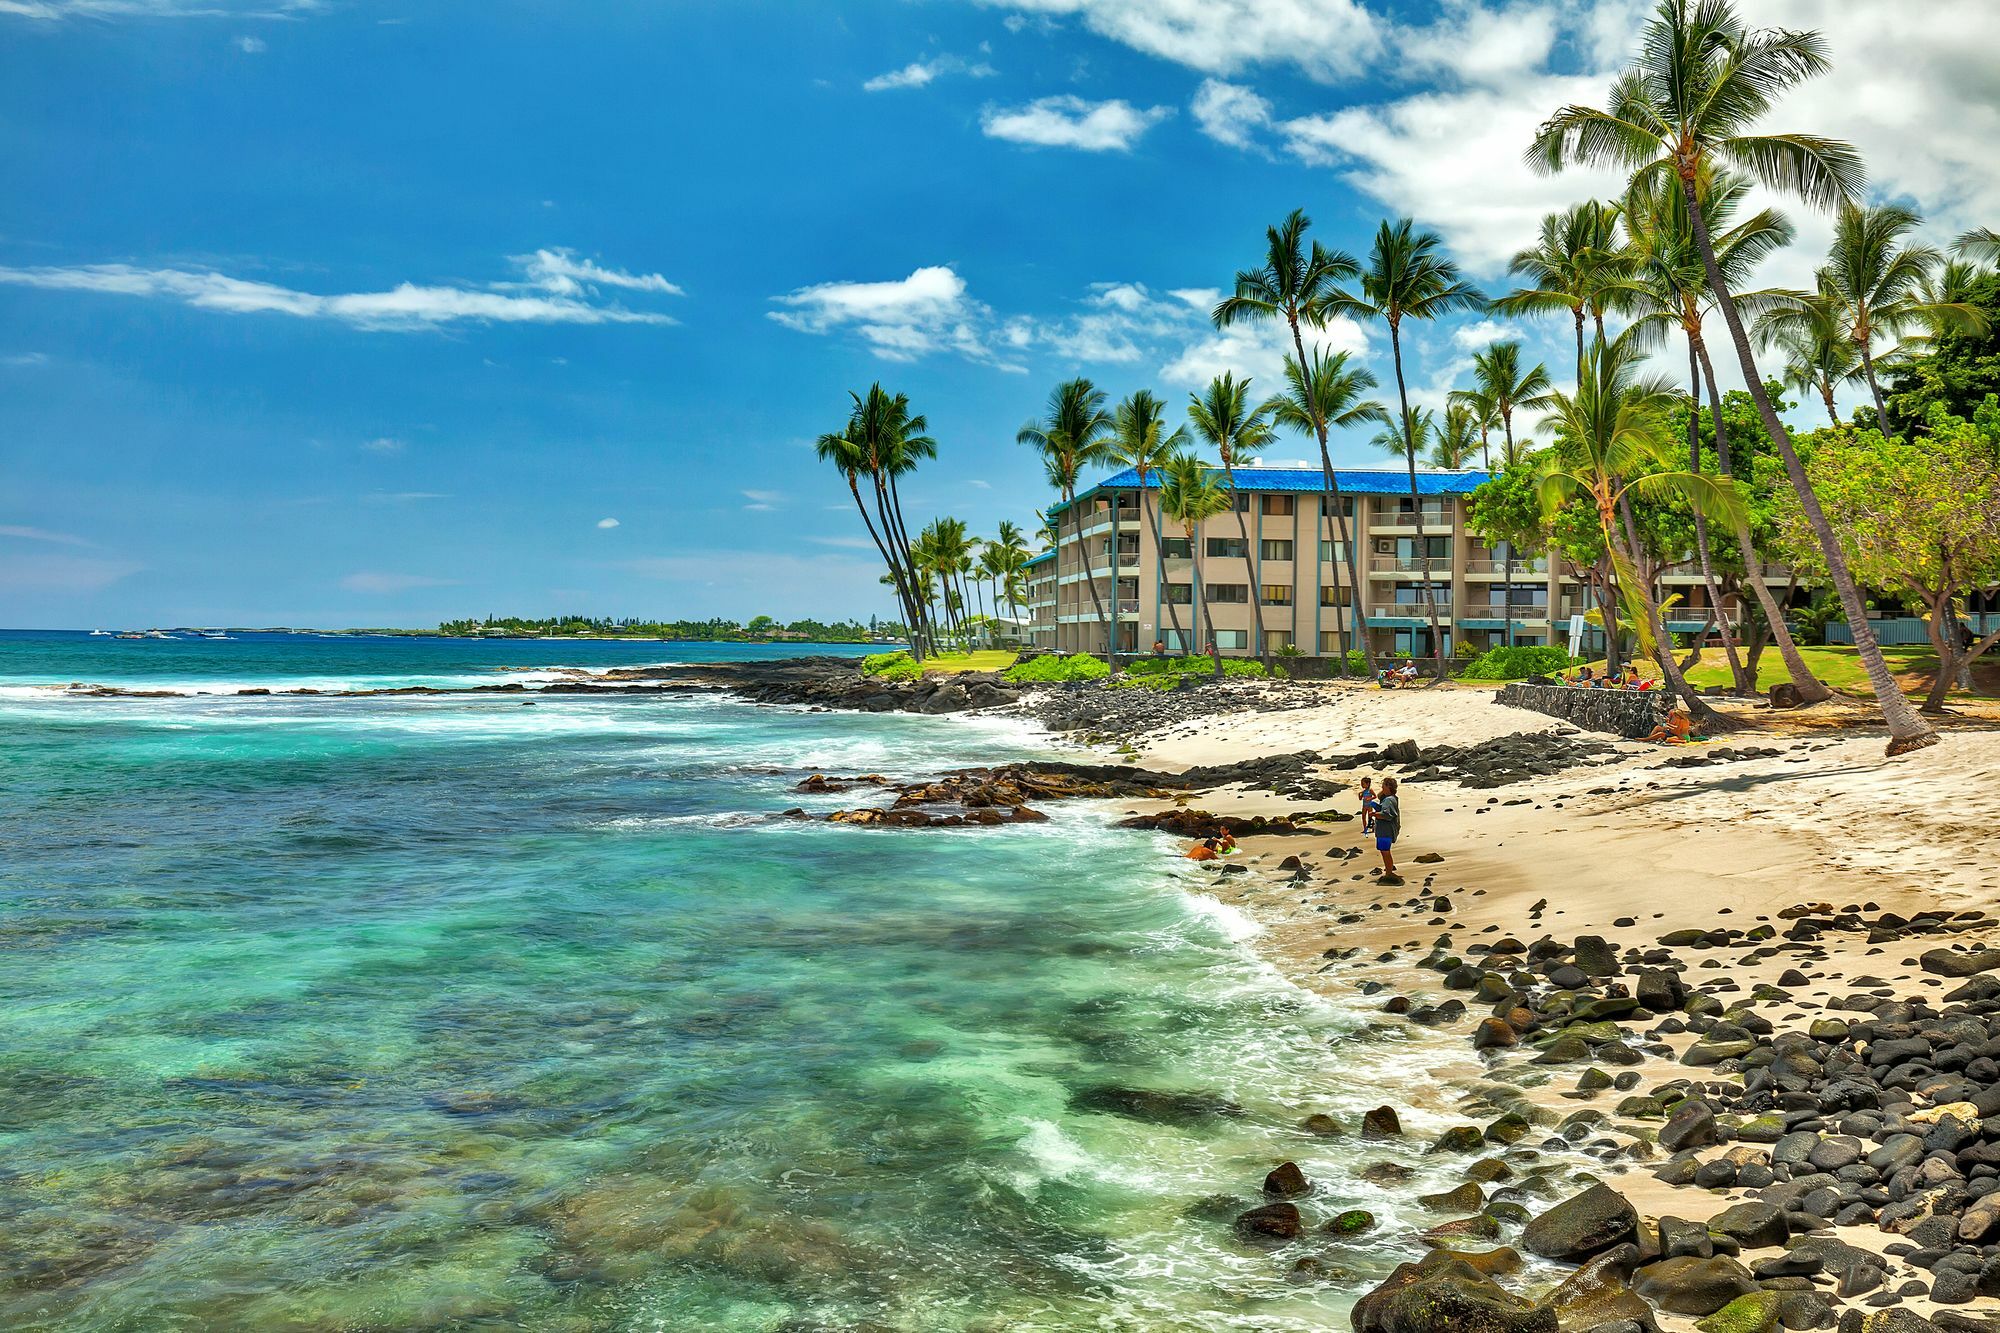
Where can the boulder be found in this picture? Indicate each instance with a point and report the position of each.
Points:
(1381, 1123)
(1464, 1198)
(1753, 1312)
(1754, 1226)
(1286, 1181)
(1582, 1226)
(1693, 1286)
(1692, 1126)
(1596, 1294)
(1273, 1221)
(1445, 1294)
(1952, 963)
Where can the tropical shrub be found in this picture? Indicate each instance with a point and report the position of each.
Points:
(1051, 668)
(1517, 663)
(1195, 666)
(876, 663)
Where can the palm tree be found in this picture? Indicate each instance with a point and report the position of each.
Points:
(1573, 266)
(1224, 419)
(1484, 414)
(1668, 289)
(1702, 80)
(1876, 282)
(1613, 442)
(1497, 379)
(1324, 394)
(1944, 289)
(1819, 356)
(1418, 423)
(1981, 245)
(1191, 494)
(1456, 440)
(1502, 387)
(1012, 544)
(1073, 434)
(887, 442)
(1301, 287)
(846, 452)
(1141, 442)
(1408, 277)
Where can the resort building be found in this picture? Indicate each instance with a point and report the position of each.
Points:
(1276, 554)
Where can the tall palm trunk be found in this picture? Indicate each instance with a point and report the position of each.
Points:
(895, 571)
(1742, 683)
(1874, 389)
(1358, 614)
(1416, 500)
(1507, 560)
(1578, 313)
(1907, 731)
(1826, 396)
(1249, 561)
(1663, 643)
(1809, 688)
(898, 539)
(1090, 579)
(1160, 553)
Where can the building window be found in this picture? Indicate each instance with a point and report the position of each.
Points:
(1176, 641)
(1229, 592)
(1242, 501)
(1226, 548)
(1333, 553)
(1180, 594)
(1332, 596)
(1278, 506)
(1275, 550)
(1232, 638)
(1176, 548)
(1275, 594)
(1277, 640)
(1346, 506)
(1329, 643)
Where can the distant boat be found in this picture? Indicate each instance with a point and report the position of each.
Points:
(213, 634)
(100, 634)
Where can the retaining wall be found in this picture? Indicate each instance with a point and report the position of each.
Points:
(1629, 713)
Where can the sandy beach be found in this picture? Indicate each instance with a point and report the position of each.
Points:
(1630, 850)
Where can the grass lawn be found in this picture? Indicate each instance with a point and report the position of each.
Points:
(1840, 667)
(986, 659)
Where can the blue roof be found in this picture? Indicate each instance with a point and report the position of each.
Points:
(1036, 560)
(1310, 480)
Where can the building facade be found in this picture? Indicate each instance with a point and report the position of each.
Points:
(1279, 555)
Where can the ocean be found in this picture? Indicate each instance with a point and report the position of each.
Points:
(480, 1012)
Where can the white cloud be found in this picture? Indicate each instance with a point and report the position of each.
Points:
(1474, 44)
(607, 523)
(1256, 351)
(28, 534)
(900, 320)
(979, 485)
(1230, 113)
(844, 543)
(918, 73)
(1452, 160)
(164, 9)
(559, 289)
(404, 497)
(370, 581)
(764, 498)
(51, 572)
(1068, 121)
(383, 444)
(251, 46)
(1472, 337)
(1328, 39)
(25, 359)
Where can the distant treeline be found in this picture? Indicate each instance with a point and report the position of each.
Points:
(758, 628)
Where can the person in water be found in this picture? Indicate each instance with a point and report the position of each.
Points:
(1205, 850)
(1368, 805)
(1388, 827)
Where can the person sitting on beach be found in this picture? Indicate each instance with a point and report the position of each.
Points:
(1226, 844)
(1388, 827)
(1675, 730)
(1203, 851)
(1408, 673)
(1368, 805)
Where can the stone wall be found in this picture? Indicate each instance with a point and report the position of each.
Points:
(1629, 713)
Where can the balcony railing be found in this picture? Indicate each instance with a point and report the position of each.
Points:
(1128, 606)
(1391, 564)
(1410, 610)
(1508, 611)
(1522, 568)
(1128, 559)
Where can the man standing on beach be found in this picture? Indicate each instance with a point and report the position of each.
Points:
(1388, 825)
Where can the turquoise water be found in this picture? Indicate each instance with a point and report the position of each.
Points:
(428, 1013)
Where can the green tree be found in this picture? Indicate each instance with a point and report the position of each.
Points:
(1191, 494)
(1502, 388)
(1456, 439)
(1074, 433)
(1408, 277)
(1958, 368)
(1300, 286)
(1702, 81)
(1140, 440)
(1875, 280)
(1224, 419)
(884, 441)
(1506, 510)
(1919, 518)
(1574, 267)
(1613, 441)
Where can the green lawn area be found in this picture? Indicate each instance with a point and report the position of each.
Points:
(986, 659)
(1836, 664)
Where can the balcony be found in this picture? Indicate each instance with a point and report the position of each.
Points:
(1498, 568)
(1128, 606)
(1409, 610)
(1440, 565)
(1533, 612)
(1128, 559)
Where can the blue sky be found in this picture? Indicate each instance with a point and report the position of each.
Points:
(353, 312)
